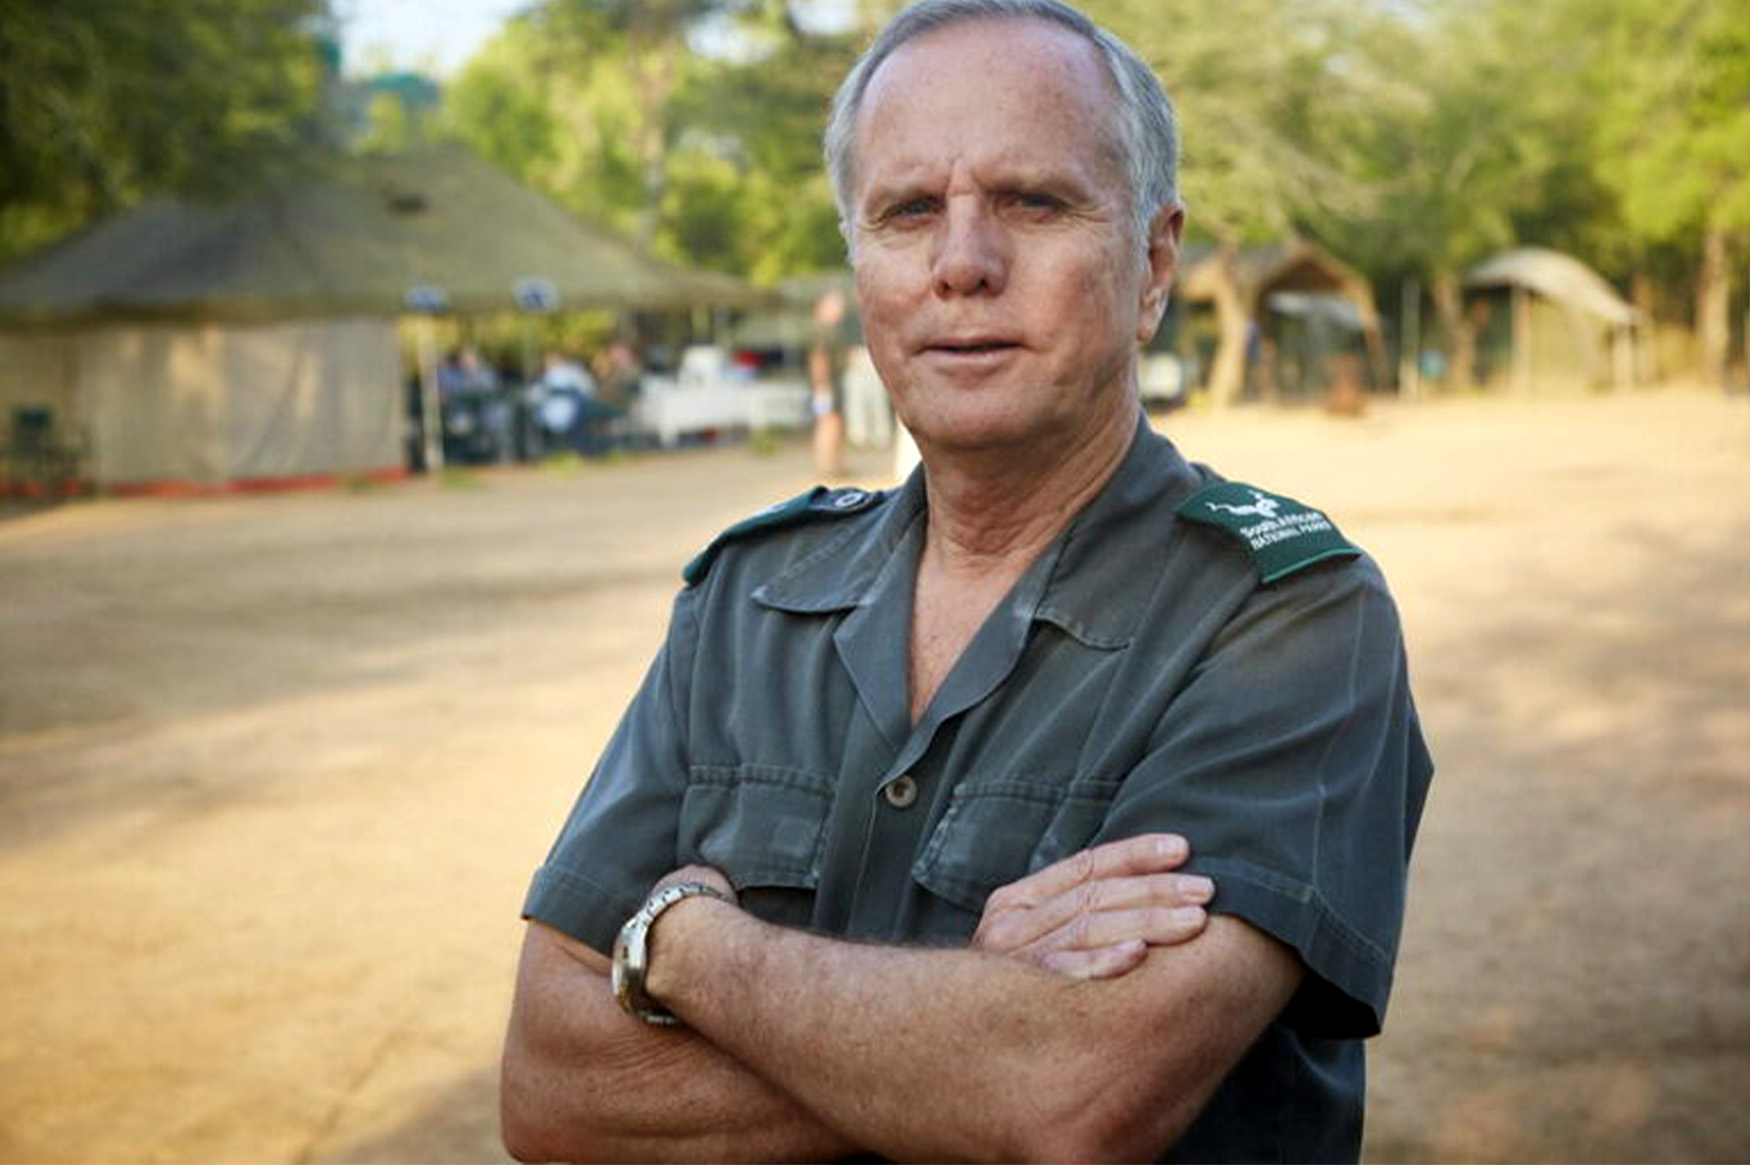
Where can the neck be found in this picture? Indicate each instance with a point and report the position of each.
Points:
(991, 513)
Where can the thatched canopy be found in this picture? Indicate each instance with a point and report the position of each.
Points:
(1557, 277)
(1288, 278)
(1296, 265)
(1562, 322)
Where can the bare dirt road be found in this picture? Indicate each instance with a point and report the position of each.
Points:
(274, 772)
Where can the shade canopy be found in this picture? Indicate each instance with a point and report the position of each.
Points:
(1555, 276)
(354, 239)
(1258, 271)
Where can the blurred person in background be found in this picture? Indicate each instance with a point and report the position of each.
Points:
(566, 407)
(826, 382)
(467, 389)
(622, 375)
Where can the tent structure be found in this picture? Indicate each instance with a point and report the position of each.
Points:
(1293, 303)
(254, 341)
(353, 240)
(172, 406)
(1547, 318)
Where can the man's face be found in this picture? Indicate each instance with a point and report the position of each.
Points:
(1003, 290)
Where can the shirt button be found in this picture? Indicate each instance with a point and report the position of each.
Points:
(901, 792)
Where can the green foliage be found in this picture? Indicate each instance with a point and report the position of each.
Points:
(460, 478)
(504, 109)
(398, 114)
(1448, 145)
(1413, 137)
(561, 101)
(103, 102)
(390, 128)
(1674, 121)
(770, 113)
(1245, 77)
(712, 161)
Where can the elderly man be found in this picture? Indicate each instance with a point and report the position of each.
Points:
(890, 850)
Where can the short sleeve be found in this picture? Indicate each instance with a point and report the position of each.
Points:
(1293, 762)
(621, 834)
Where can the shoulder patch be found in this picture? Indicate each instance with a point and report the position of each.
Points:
(1282, 535)
(818, 504)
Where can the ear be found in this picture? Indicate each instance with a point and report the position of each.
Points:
(1163, 262)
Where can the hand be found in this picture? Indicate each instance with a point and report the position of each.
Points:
(656, 979)
(708, 875)
(1095, 914)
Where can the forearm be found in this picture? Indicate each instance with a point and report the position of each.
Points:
(936, 1054)
(585, 1081)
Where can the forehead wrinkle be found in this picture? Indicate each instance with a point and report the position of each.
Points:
(922, 74)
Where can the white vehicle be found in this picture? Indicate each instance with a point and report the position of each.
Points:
(1161, 379)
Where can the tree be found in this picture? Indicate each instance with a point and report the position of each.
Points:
(766, 115)
(643, 44)
(568, 99)
(1245, 77)
(1478, 143)
(1674, 140)
(103, 102)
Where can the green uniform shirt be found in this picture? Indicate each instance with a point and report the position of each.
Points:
(1140, 677)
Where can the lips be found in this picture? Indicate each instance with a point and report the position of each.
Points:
(969, 345)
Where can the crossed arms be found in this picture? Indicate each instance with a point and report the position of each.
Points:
(1092, 1016)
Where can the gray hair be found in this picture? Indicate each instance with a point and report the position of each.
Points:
(1148, 131)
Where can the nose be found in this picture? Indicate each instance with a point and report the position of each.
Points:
(971, 251)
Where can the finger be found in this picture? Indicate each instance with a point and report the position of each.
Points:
(1103, 963)
(1157, 926)
(1148, 854)
(1156, 890)
(1125, 893)
(1010, 925)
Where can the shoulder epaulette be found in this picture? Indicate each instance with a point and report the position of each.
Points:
(1282, 535)
(818, 504)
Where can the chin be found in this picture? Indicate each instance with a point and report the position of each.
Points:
(974, 433)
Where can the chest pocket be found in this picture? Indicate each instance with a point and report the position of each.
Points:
(997, 831)
(764, 827)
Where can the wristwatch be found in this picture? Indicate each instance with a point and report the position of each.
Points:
(632, 951)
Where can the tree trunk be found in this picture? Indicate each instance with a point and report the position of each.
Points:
(1713, 293)
(654, 72)
(1227, 374)
(1646, 353)
(1461, 336)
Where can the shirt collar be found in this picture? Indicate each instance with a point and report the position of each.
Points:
(842, 573)
(1116, 547)
(1080, 583)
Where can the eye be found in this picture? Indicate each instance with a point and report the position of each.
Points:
(1036, 203)
(910, 208)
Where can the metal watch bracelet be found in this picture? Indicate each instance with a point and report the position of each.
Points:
(632, 951)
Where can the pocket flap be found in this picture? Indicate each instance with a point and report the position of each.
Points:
(997, 832)
(762, 826)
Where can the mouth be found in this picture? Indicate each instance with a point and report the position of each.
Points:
(970, 346)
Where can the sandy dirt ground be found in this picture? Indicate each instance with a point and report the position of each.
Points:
(274, 772)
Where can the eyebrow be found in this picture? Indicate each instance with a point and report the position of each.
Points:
(1007, 180)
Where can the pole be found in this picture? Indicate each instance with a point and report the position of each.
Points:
(431, 408)
(1521, 300)
(1410, 340)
